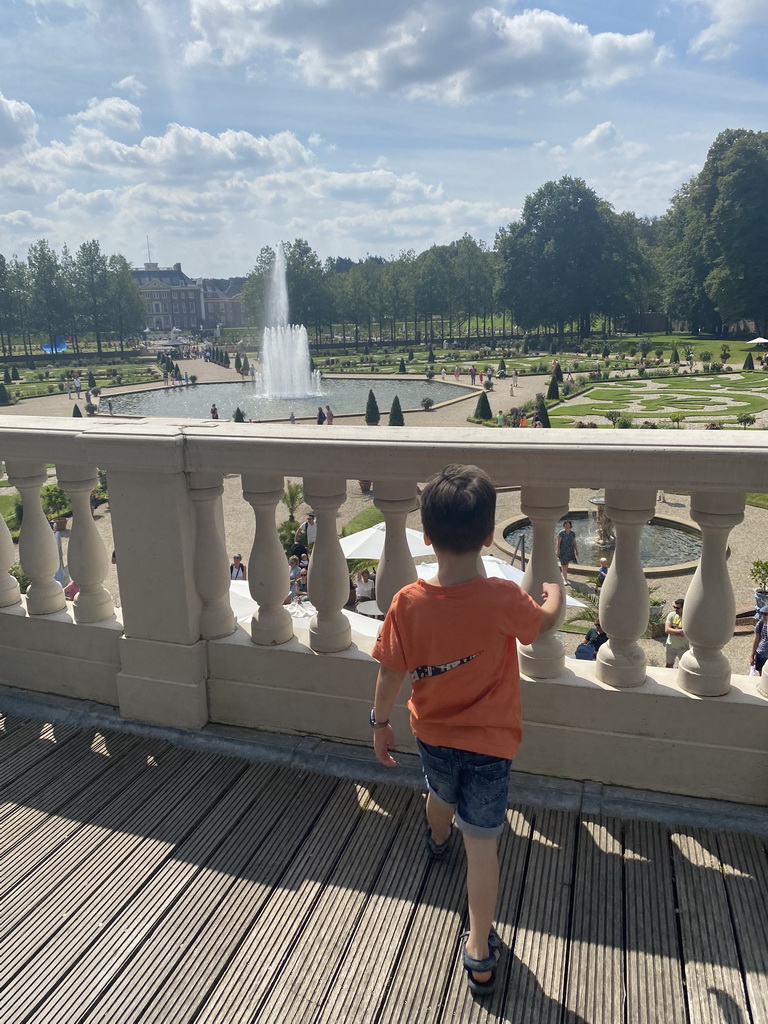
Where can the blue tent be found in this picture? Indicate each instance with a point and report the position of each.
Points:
(59, 345)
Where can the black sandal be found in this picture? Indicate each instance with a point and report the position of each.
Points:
(489, 963)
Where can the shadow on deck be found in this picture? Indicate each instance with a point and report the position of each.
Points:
(145, 882)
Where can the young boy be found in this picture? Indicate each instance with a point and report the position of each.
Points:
(455, 637)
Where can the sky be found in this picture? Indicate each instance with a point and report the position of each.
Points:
(199, 131)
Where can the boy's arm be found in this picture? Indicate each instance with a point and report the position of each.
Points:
(388, 685)
(552, 602)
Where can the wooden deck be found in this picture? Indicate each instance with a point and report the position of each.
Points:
(143, 882)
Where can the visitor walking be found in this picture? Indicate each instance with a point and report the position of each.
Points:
(237, 570)
(760, 646)
(566, 548)
(329, 415)
(320, 416)
(676, 644)
(214, 412)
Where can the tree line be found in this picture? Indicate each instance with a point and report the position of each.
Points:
(570, 263)
(64, 295)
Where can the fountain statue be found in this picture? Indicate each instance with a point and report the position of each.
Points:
(285, 362)
(605, 537)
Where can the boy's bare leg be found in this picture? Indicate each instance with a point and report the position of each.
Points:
(482, 892)
(439, 818)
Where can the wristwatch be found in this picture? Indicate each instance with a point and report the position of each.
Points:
(374, 723)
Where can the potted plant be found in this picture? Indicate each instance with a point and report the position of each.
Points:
(758, 573)
(56, 505)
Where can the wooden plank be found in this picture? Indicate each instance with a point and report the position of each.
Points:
(174, 969)
(595, 984)
(28, 975)
(514, 848)
(46, 787)
(653, 952)
(536, 979)
(303, 978)
(358, 988)
(713, 978)
(8, 725)
(430, 950)
(745, 869)
(48, 856)
(188, 882)
(249, 975)
(28, 745)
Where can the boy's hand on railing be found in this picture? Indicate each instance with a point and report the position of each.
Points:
(383, 742)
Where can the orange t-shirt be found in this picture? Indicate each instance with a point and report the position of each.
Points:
(458, 645)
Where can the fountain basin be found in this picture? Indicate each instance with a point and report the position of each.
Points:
(668, 546)
(345, 395)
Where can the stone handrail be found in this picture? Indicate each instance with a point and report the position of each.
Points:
(165, 486)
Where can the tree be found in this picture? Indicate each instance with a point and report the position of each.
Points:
(239, 416)
(675, 357)
(396, 418)
(126, 308)
(293, 497)
(245, 366)
(676, 418)
(92, 281)
(483, 408)
(541, 411)
(76, 411)
(372, 414)
(745, 419)
(91, 380)
(553, 392)
(564, 259)
(749, 363)
(47, 305)
(402, 368)
(4, 396)
(613, 416)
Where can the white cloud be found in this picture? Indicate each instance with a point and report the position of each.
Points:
(730, 19)
(18, 125)
(131, 85)
(446, 53)
(604, 140)
(113, 111)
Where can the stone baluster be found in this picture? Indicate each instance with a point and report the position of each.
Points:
(395, 499)
(545, 657)
(211, 559)
(268, 579)
(87, 559)
(10, 594)
(38, 551)
(329, 630)
(710, 607)
(624, 596)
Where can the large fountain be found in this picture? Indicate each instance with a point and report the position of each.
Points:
(285, 362)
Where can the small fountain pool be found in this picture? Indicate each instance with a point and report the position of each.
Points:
(662, 543)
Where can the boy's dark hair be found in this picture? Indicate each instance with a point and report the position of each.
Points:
(458, 509)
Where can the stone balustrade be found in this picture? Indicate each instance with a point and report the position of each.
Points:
(174, 653)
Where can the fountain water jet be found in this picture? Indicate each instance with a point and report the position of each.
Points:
(285, 362)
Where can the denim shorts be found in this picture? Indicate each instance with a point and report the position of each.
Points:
(475, 785)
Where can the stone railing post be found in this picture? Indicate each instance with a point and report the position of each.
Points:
(163, 662)
(545, 657)
(268, 579)
(10, 593)
(624, 603)
(211, 559)
(395, 499)
(87, 559)
(710, 607)
(329, 630)
(38, 551)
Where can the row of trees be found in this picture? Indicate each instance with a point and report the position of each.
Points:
(63, 295)
(568, 263)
